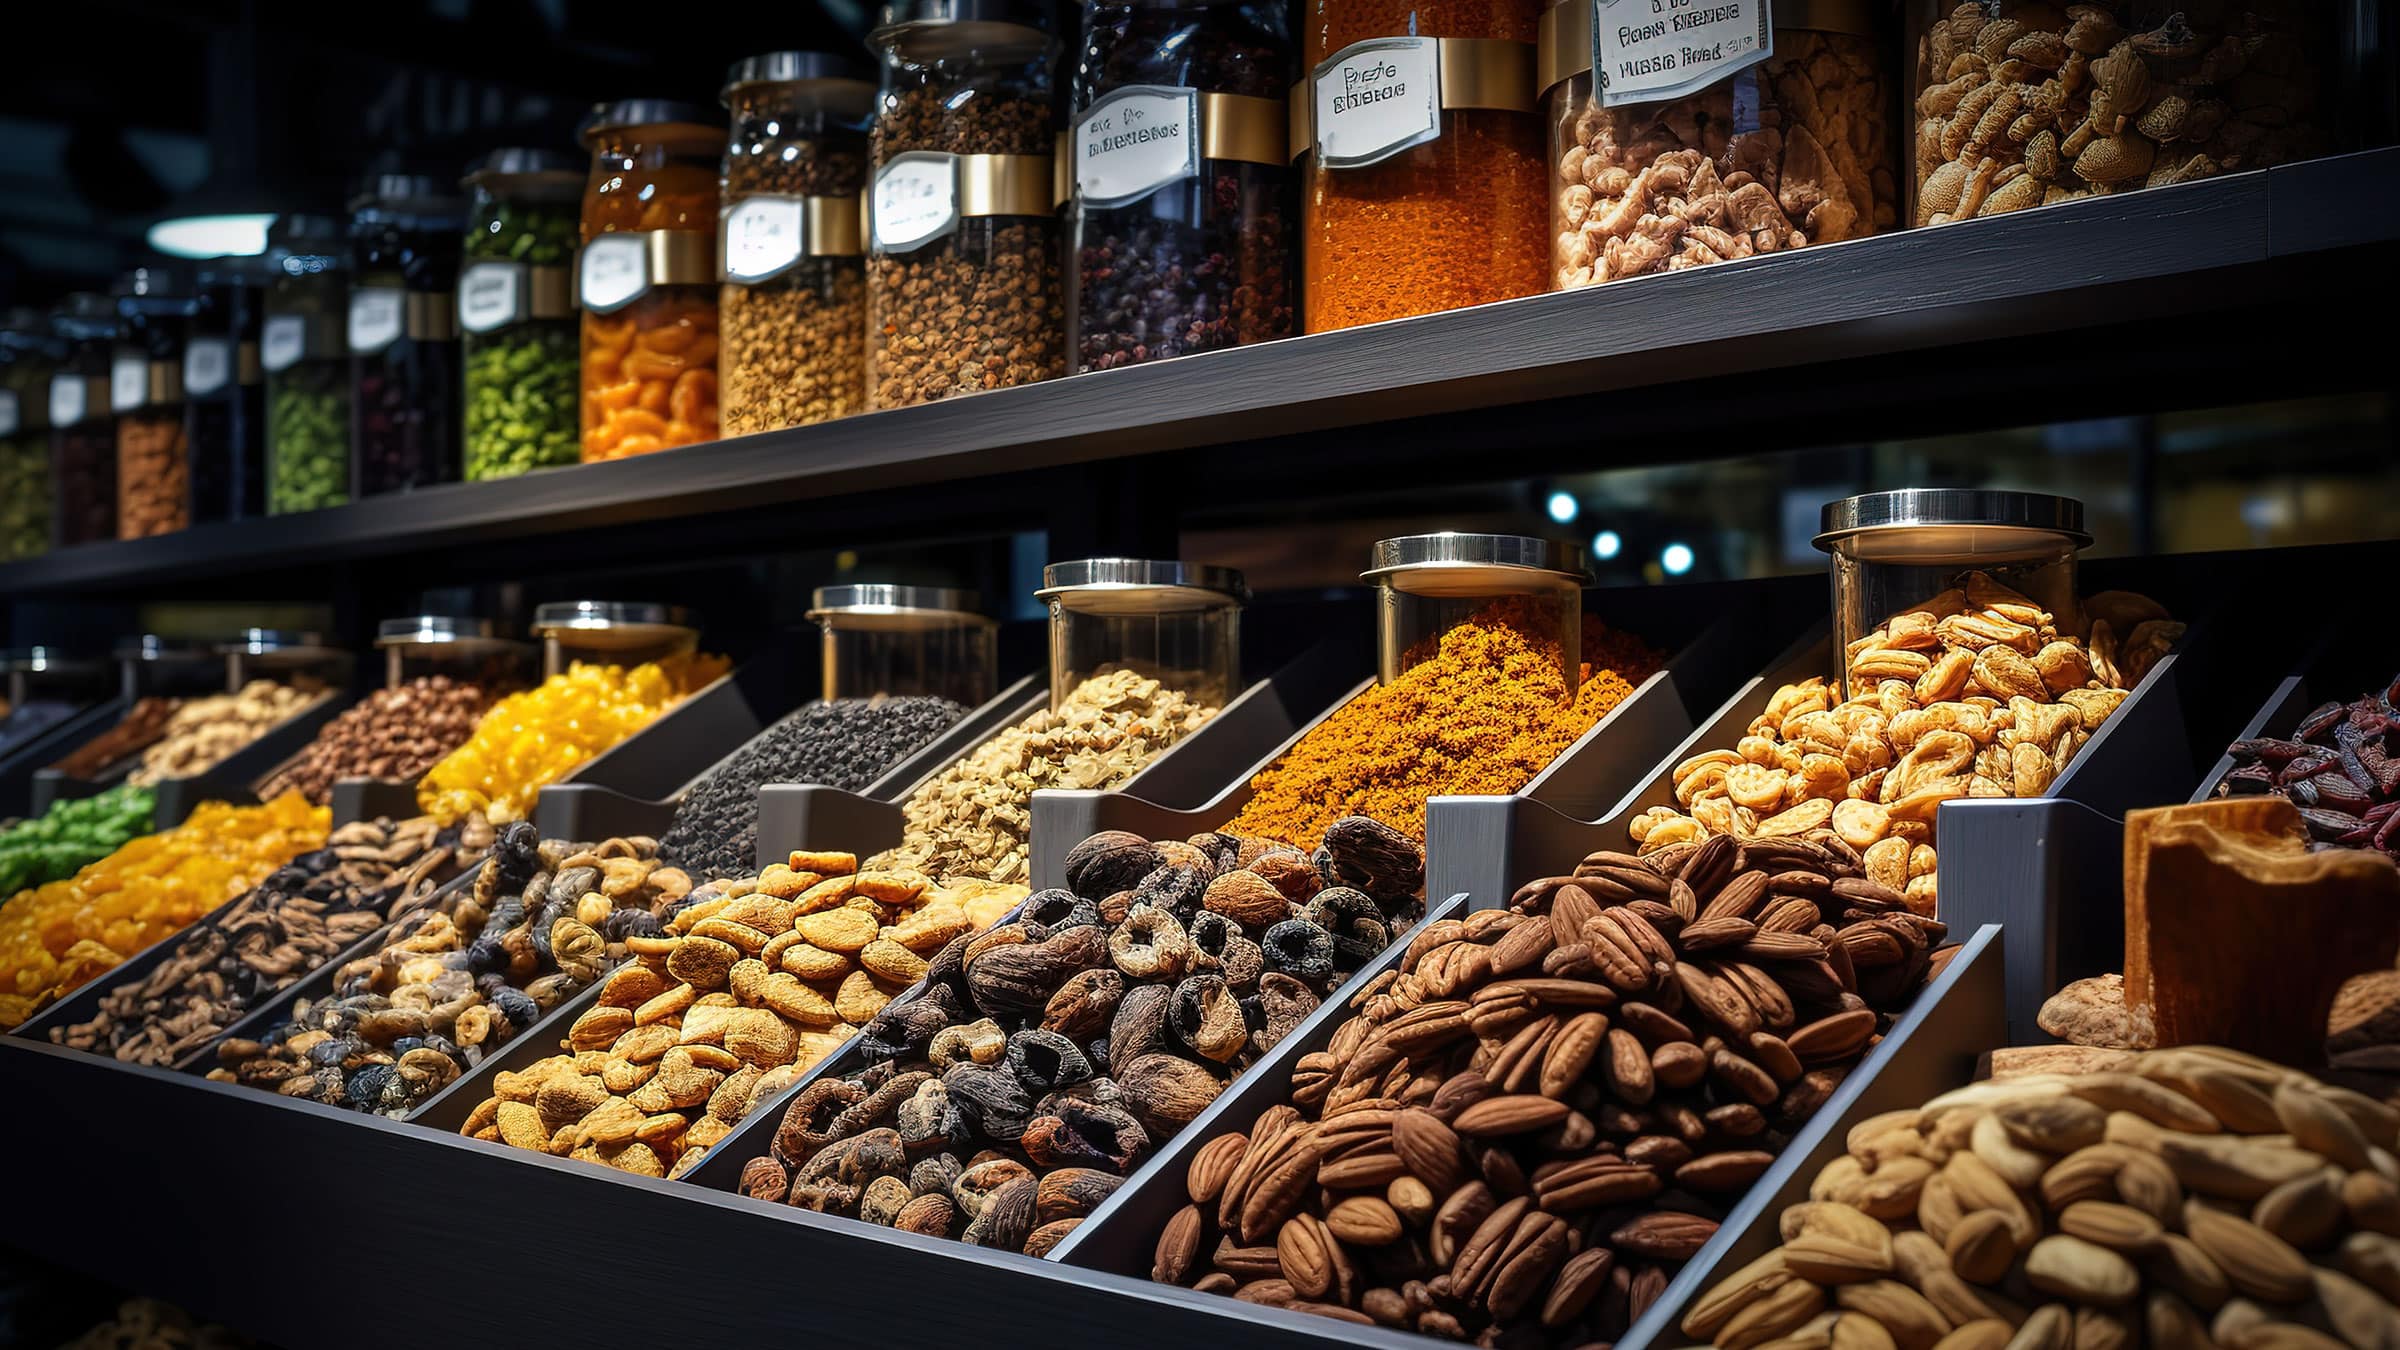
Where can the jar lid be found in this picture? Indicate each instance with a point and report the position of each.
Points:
(283, 642)
(430, 629)
(1944, 524)
(1454, 564)
(667, 116)
(896, 609)
(152, 647)
(44, 660)
(520, 166)
(1135, 586)
(834, 74)
(1564, 46)
(607, 625)
(933, 30)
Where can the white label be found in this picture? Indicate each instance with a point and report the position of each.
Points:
(764, 236)
(492, 295)
(9, 416)
(1644, 51)
(916, 200)
(207, 365)
(69, 395)
(376, 315)
(1376, 98)
(1136, 141)
(128, 383)
(283, 341)
(614, 272)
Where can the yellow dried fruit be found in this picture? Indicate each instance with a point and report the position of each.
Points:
(847, 931)
(859, 999)
(757, 1036)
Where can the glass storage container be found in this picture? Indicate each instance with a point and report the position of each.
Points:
(1184, 201)
(516, 309)
(45, 687)
(145, 393)
(471, 650)
(225, 405)
(301, 660)
(605, 632)
(1427, 584)
(1178, 623)
(152, 666)
(647, 280)
(963, 288)
(83, 436)
(794, 305)
(406, 233)
(1896, 550)
(905, 641)
(28, 358)
(303, 349)
(2109, 97)
(1424, 179)
(1773, 146)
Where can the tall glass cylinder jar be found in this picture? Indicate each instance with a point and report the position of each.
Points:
(83, 436)
(610, 632)
(904, 641)
(303, 350)
(1425, 182)
(471, 651)
(1185, 202)
(1177, 623)
(963, 288)
(647, 280)
(224, 420)
(516, 312)
(405, 233)
(28, 358)
(1428, 584)
(145, 392)
(794, 303)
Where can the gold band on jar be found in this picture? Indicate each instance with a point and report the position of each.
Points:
(432, 316)
(1566, 34)
(834, 226)
(1007, 185)
(549, 292)
(670, 257)
(163, 383)
(1243, 128)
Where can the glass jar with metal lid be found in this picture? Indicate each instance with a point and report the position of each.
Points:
(1184, 197)
(963, 288)
(606, 632)
(794, 305)
(1894, 551)
(1178, 623)
(1424, 178)
(46, 685)
(151, 665)
(29, 353)
(155, 306)
(468, 650)
(224, 420)
(406, 232)
(299, 659)
(1780, 141)
(516, 314)
(904, 641)
(647, 278)
(83, 435)
(1427, 584)
(303, 348)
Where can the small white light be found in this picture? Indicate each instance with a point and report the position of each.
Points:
(1676, 558)
(1607, 544)
(226, 236)
(1562, 507)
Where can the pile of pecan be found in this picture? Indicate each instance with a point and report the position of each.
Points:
(1044, 1060)
(1546, 1109)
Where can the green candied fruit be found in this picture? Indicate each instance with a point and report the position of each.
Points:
(521, 397)
(308, 437)
(24, 496)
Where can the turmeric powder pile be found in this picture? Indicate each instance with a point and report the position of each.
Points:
(1484, 715)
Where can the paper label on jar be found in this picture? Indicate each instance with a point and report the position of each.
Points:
(70, 398)
(1645, 51)
(492, 295)
(1376, 98)
(207, 365)
(916, 200)
(283, 341)
(764, 236)
(1136, 141)
(377, 314)
(128, 383)
(613, 272)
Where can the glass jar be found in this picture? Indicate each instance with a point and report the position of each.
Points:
(1893, 551)
(1427, 584)
(406, 235)
(29, 354)
(517, 312)
(647, 279)
(83, 435)
(1177, 623)
(300, 660)
(303, 349)
(794, 304)
(469, 650)
(605, 632)
(152, 666)
(145, 393)
(1185, 200)
(905, 641)
(1738, 157)
(224, 420)
(2110, 97)
(963, 288)
(1425, 182)
(45, 687)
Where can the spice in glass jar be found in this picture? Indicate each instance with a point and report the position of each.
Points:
(405, 231)
(516, 310)
(145, 391)
(648, 279)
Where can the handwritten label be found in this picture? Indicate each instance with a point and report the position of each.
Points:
(614, 272)
(1136, 141)
(207, 365)
(70, 398)
(376, 316)
(916, 200)
(283, 341)
(1646, 51)
(764, 236)
(492, 295)
(1374, 99)
(128, 383)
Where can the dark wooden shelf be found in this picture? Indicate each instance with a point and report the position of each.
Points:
(2237, 267)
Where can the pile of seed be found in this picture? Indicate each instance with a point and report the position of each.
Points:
(846, 743)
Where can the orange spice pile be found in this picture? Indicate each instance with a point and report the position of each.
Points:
(1483, 716)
